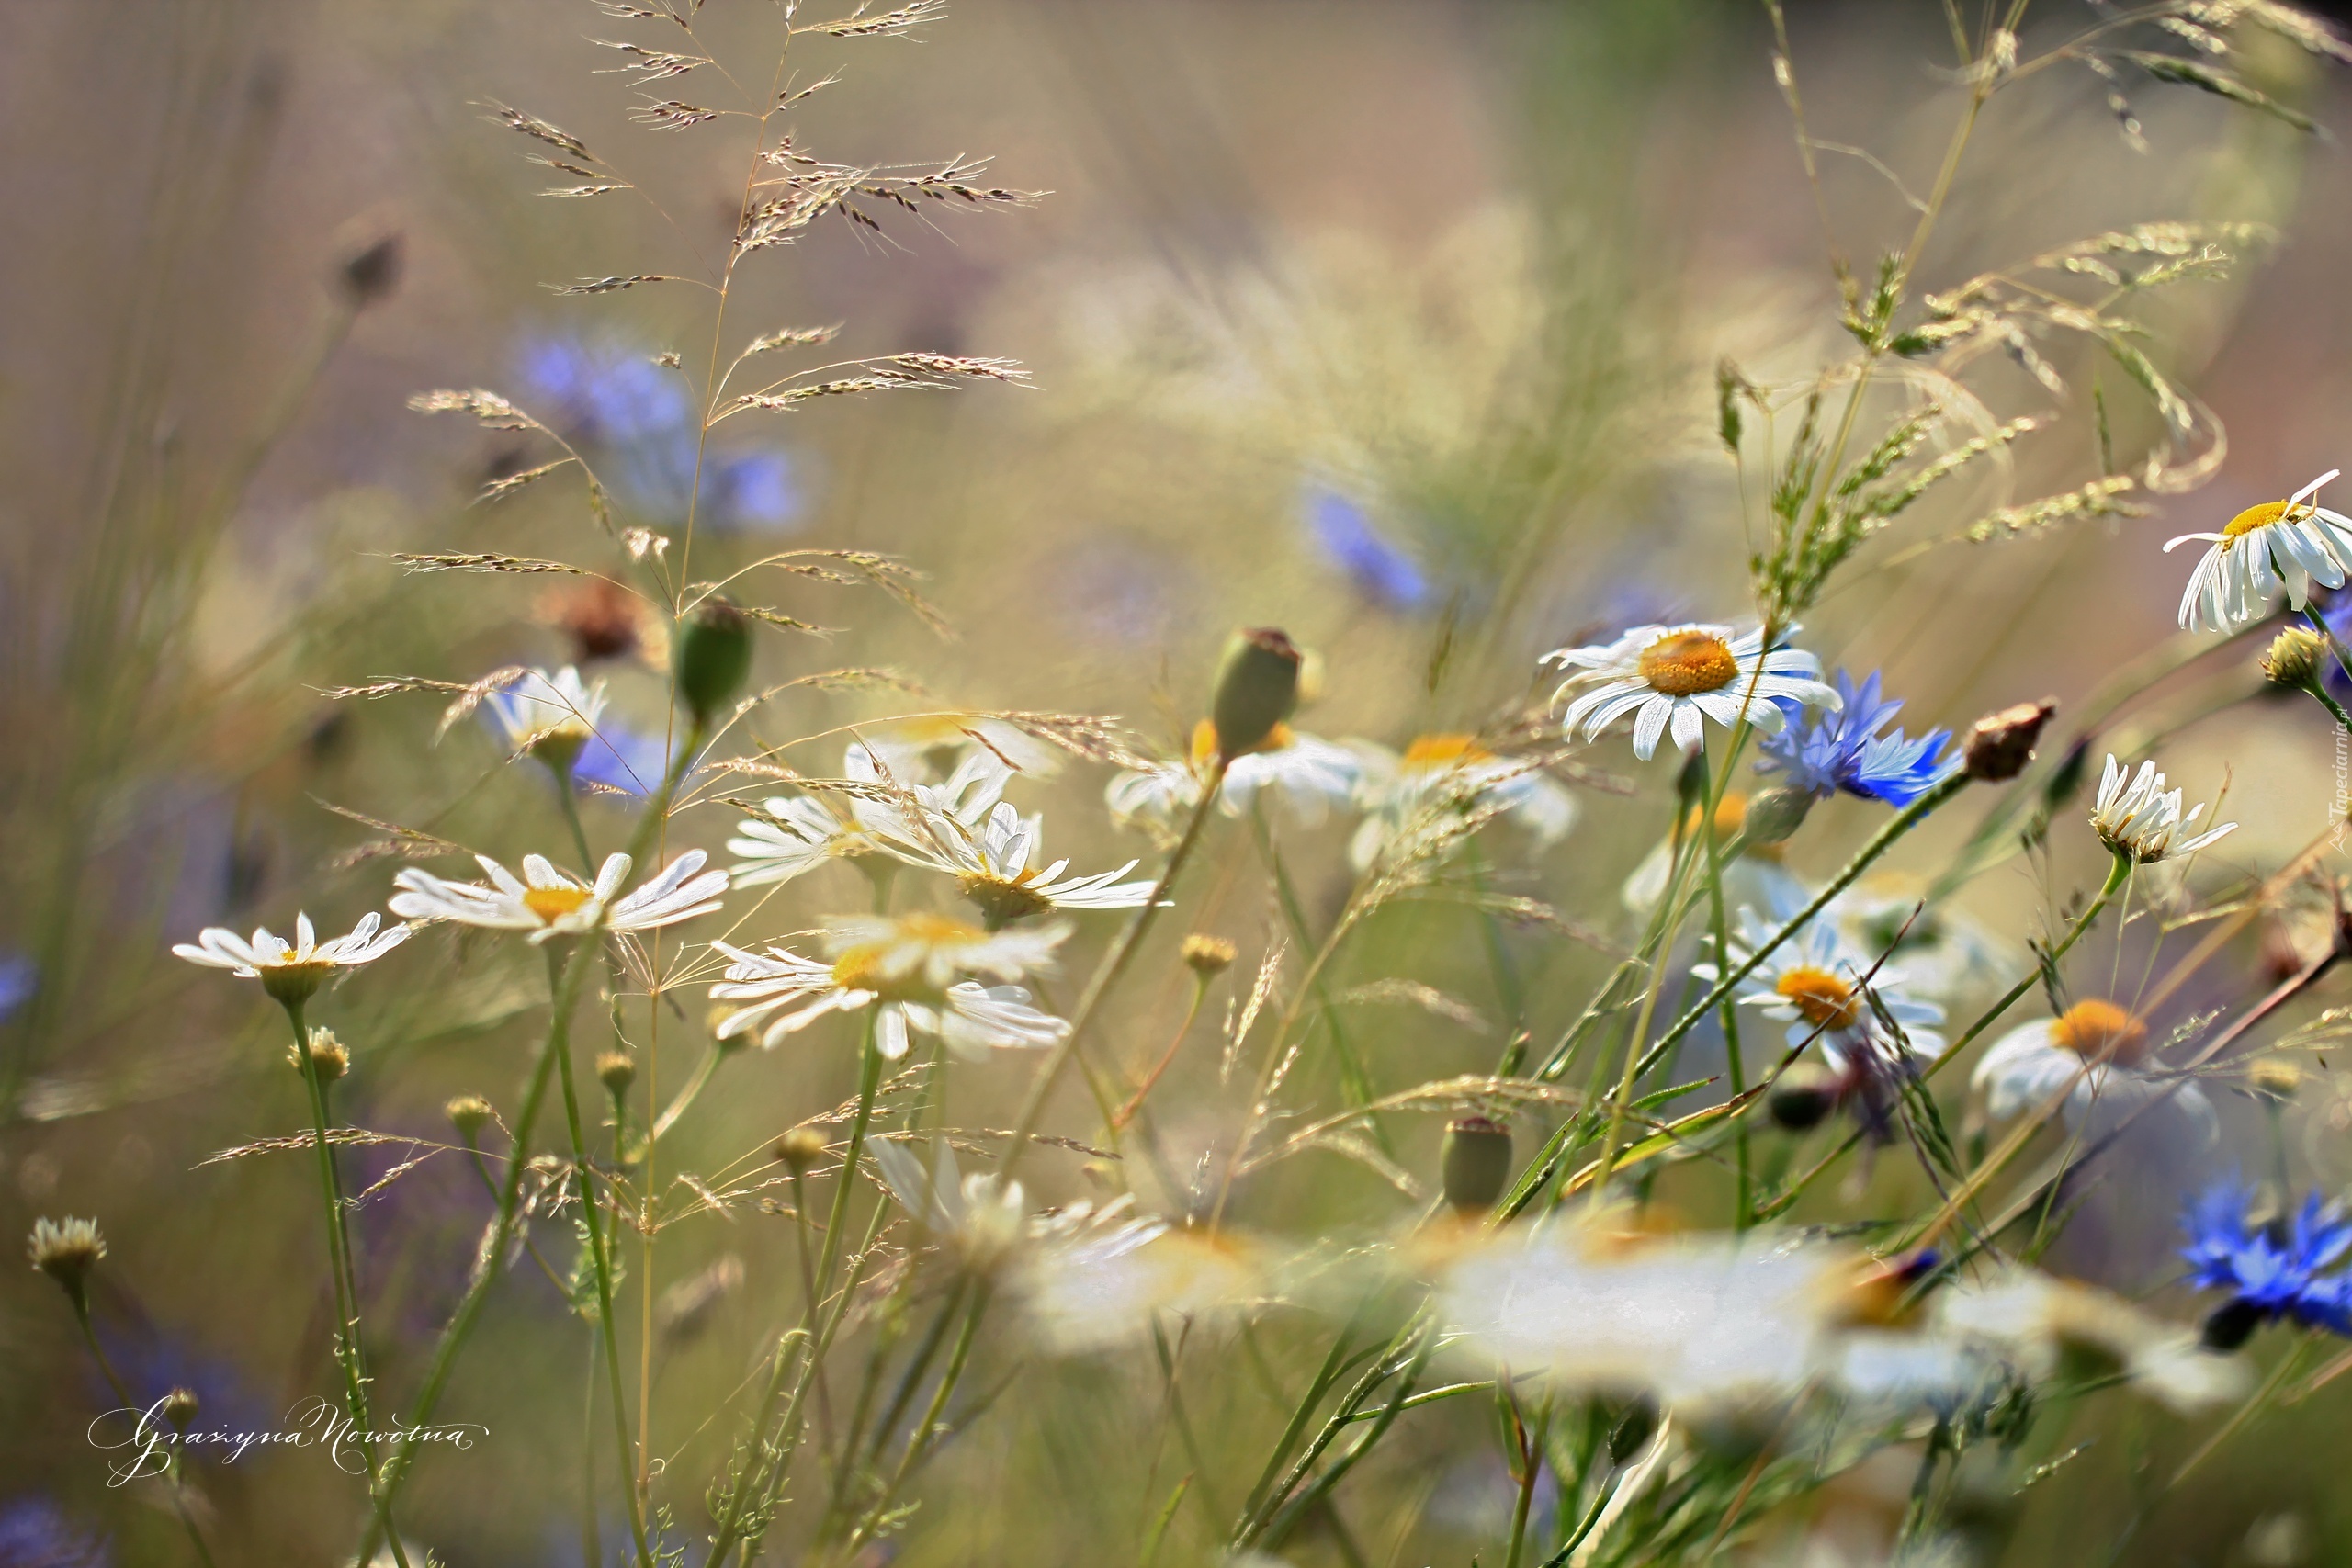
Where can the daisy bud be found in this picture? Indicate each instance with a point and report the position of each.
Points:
(467, 1113)
(1631, 1431)
(1257, 687)
(1475, 1163)
(1208, 955)
(180, 1407)
(2000, 744)
(1691, 784)
(329, 1058)
(371, 272)
(2231, 1324)
(711, 657)
(1802, 1096)
(1774, 814)
(2294, 657)
(799, 1149)
(66, 1250)
(616, 1070)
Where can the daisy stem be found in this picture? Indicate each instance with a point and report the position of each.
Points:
(591, 1212)
(570, 799)
(1719, 931)
(1107, 977)
(348, 1354)
(395, 1471)
(81, 1301)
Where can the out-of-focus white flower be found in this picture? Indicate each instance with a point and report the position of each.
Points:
(980, 1218)
(1303, 776)
(2095, 1053)
(2285, 544)
(292, 970)
(549, 902)
(913, 968)
(1673, 679)
(1104, 1282)
(1942, 952)
(944, 741)
(2029, 1317)
(870, 812)
(550, 716)
(1441, 779)
(992, 866)
(2136, 816)
(1816, 984)
(1754, 876)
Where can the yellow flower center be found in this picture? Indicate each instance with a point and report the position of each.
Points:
(1820, 997)
(2100, 1031)
(1685, 662)
(2263, 516)
(551, 904)
(1439, 752)
(1003, 899)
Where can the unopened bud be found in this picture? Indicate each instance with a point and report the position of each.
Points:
(467, 1113)
(1774, 814)
(180, 1406)
(1205, 955)
(1473, 1166)
(1631, 1431)
(66, 1250)
(799, 1149)
(2276, 1076)
(2231, 1324)
(2294, 657)
(1257, 688)
(372, 271)
(616, 1070)
(1802, 1098)
(2000, 744)
(711, 657)
(329, 1059)
(1691, 783)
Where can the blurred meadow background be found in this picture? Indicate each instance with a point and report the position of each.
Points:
(1392, 322)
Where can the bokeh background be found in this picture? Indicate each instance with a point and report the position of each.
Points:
(1392, 324)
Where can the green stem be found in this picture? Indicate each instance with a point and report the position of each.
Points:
(591, 1212)
(122, 1394)
(570, 799)
(348, 1354)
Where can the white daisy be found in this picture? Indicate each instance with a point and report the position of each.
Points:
(1754, 876)
(979, 1217)
(1672, 679)
(1106, 1276)
(2135, 815)
(2285, 544)
(1303, 774)
(912, 967)
(867, 815)
(942, 741)
(992, 868)
(550, 716)
(549, 902)
(1815, 983)
(291, 971)
(2031, 1317)
(1443, 776)
(2095, 1053)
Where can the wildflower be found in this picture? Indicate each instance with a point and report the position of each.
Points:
(603, 620)
(2274, 1270)
(941, 741)
(1825, 989)
(291, 972)
(1344, 533)
(1305, 775)
(2296, 658)
(993, 867)
(2031, 1318)
(2134, 815)
(19, 978)
(616, 1070)
(2094, 1052)
(2285, 544)
(549, 902)
(1102, 1277)
(322, 1057)
(467, 1113)
(551, 717)
(980, 1218)
(2000, 744)
(711, 657)
(797, 835)
(799, 1149)
(66, 1250)
(1451, 776)
(1752, 876)
(1675, 678)
(1843, 749)
(623, 762)
(1208, 955)
(912, 968)
(1473, 1163)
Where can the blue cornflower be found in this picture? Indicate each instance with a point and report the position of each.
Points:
(1844, 750)
(2337, 614)
(36, 1533)
(19, 978)
(619, 758)
(1343, 531)
(2271, 1271)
